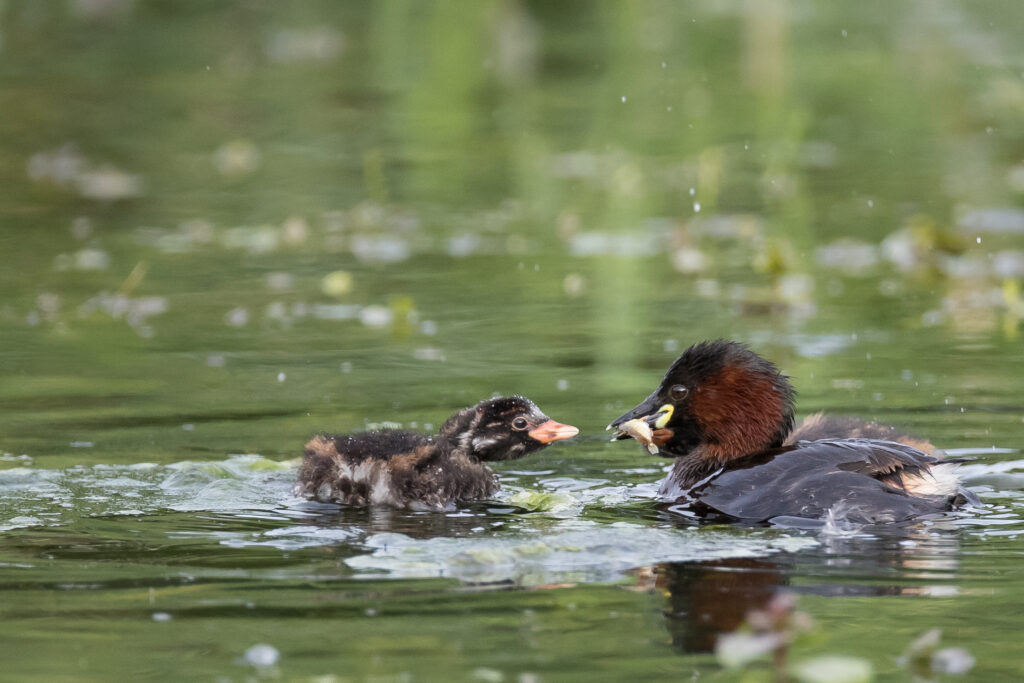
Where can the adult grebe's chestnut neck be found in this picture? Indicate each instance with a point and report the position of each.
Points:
(718, 401)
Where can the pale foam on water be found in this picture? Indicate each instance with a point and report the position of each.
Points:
(573, 550)
(40, 497)
(535, 531)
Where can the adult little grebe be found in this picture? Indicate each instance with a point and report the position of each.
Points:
(404, 469)
(726, 415)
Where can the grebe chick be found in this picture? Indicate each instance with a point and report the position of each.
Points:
(405, 469)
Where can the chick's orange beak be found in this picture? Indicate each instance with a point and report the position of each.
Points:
(549, 431)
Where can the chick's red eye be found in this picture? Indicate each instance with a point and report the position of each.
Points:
(520, 423)
(678, 392)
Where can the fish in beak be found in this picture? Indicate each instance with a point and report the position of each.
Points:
(646, 423)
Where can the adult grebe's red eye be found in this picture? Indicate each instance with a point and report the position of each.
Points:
(678, 392)
(520, 424)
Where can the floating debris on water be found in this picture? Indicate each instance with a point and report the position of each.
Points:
(380, 249)
(586, 244)
(108, 183)
(67, 168)
(853, 257)
(545, 501)
(688, 260)
(376, 316)
(261, 656)
(463, 245)
(335, 311)
(293, 45)
(429, 353)
(925, 660)
(834, 669)
(295, 230)
(574, 550)
(574, 285)
(337, 283)
(261, 239)
(237, 317)
(135, 311)
(726, 226)
(1006, 220)
(1008, 264)
(81, 228)
(84, 259)
(59, 166)
(280, 281)
(236, 158)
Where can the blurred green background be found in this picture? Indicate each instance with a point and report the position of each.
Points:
(509, 194)
(226, 226)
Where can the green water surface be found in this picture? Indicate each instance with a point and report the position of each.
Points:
(225, 227)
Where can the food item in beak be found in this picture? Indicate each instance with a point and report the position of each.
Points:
(641, 431)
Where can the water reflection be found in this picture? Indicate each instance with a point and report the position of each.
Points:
(703, 600)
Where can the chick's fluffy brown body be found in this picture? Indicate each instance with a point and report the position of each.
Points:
(352, 470)
(405, 469)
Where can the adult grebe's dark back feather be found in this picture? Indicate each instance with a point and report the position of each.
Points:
(726, 415)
